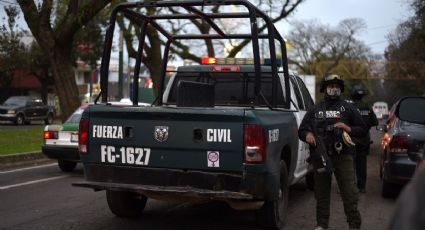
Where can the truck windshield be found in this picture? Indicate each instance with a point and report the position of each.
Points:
(231, 88)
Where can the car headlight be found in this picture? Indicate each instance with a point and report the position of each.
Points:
(11, 111)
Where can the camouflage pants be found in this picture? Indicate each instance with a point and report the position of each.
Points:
(345, 177)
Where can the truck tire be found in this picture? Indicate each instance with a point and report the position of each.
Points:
(49, 119)
(126, 204)
(67, 166)
(273, 213)
(20, 119)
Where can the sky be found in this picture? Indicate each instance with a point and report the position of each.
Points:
(381, 17)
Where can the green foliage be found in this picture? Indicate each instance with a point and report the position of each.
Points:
(15, 55)
(20, 140)
(88, 42)
(405, 55)
(11, 48)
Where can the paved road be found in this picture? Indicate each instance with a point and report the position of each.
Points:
(375, 210)
(43, 198)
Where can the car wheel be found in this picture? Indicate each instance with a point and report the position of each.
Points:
(273, 213)
(309, 180)
(20, 119)
(67, 166)
(49, 119)
(390, 190)
(126, 204)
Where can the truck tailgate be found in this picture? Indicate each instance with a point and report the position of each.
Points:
(166, 137)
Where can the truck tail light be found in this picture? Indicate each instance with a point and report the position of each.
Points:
(398, 144)
(83, 135)
(50, 135)
(254, 144)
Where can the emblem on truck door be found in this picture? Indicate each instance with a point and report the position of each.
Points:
(161, 133)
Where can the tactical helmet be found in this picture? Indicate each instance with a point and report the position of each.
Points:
(330, 79)
(357, 91)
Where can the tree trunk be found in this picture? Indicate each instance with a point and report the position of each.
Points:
(154, 56)
(66, 87)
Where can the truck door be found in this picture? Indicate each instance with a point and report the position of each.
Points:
(303, 148)
(30, 110)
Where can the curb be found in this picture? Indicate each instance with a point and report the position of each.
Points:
(18, 159)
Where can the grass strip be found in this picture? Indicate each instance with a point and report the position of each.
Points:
(21, 140)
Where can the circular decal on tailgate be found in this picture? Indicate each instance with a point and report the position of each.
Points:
(213, 158)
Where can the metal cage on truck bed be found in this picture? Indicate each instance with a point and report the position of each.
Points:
(129, 11)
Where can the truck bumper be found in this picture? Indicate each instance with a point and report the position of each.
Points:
(167, 191)
(154, 182)
(7, 117)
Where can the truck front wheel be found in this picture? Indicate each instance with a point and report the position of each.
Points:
(20, 119)
(273, 213)
(126, 204)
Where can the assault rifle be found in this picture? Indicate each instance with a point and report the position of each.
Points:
(322, 150)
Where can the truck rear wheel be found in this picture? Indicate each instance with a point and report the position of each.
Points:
(273, 213)
(126, 204)
(67, 166)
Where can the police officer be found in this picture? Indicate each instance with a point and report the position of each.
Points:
(325, 122)
(362, 143)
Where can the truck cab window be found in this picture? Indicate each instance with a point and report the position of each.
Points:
(297, 93)
(230, 88)
(306, 95)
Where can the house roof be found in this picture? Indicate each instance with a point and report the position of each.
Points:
(22, 79)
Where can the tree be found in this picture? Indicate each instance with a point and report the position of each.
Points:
(11, 48)
(318, 49)
(405, 56)
(56, 39)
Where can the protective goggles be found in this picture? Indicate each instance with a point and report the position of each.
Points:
(332, 77)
